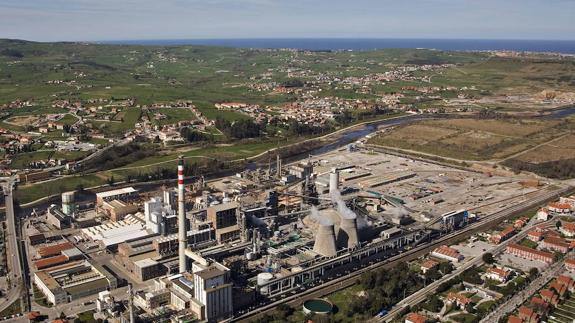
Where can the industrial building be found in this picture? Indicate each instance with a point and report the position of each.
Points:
(64, 283)
(122, 194)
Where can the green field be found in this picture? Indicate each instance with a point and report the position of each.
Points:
(23, 159)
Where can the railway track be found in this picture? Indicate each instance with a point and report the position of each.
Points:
(350, 279)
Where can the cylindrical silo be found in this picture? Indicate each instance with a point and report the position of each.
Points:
(325, 241)
(68, 203)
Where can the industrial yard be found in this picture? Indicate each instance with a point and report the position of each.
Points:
(262, 236)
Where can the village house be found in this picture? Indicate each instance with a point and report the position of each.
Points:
(503, 235)
(428, 265)
(499, 274)
(528, 315)
(549, 296)
(568, 229)
(458, 299)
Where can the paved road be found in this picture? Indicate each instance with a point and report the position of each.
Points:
(12, 250)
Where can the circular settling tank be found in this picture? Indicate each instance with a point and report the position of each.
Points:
(317, 306)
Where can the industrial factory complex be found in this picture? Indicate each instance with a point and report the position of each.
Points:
(222, 249)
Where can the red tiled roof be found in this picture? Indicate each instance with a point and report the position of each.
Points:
(565, 279)
(429, 263)
(416, 318)
(560, 205)
(514, 319)
(560, 242)
(447, 251)
(530, 250)
(538, 301)
(461, 299)
(526, 312)
(560, 288)
(534, 233)
(498, 271)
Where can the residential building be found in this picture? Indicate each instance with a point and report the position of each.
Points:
(568, 229)
(555, 244)
(514, 319)
(415, 318)
(428, 265)
(503, 235)
(528, 315)
(559, 288)
(458, 299)
(499, 274)
(559, 208)
(535, 235)
(549, 296)
(539, 305)
(567, 281)
(529, 253)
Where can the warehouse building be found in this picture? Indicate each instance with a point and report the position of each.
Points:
(122, 194)
(68, 282)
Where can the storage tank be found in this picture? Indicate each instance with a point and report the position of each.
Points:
(325, 241)
(68, 203)
(317, 306)
(347, 236)
(333, 180)
(264, 278)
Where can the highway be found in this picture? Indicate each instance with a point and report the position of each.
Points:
(12, 249)
(348, 280)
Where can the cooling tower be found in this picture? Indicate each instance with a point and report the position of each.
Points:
(325, 241)
(333, 180)
(347, 236)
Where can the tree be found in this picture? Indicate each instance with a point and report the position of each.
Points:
(433, 304)
(445, 267)
(533, 272)
(558, 224)
(283, 311)
(488, 258)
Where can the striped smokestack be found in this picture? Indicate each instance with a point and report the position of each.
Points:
(181, 217)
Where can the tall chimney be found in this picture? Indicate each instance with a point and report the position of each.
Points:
(333, 180)
(182, 239)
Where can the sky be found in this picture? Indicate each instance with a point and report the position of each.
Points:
(101, 20)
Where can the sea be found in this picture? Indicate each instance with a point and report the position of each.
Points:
(363, 44)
